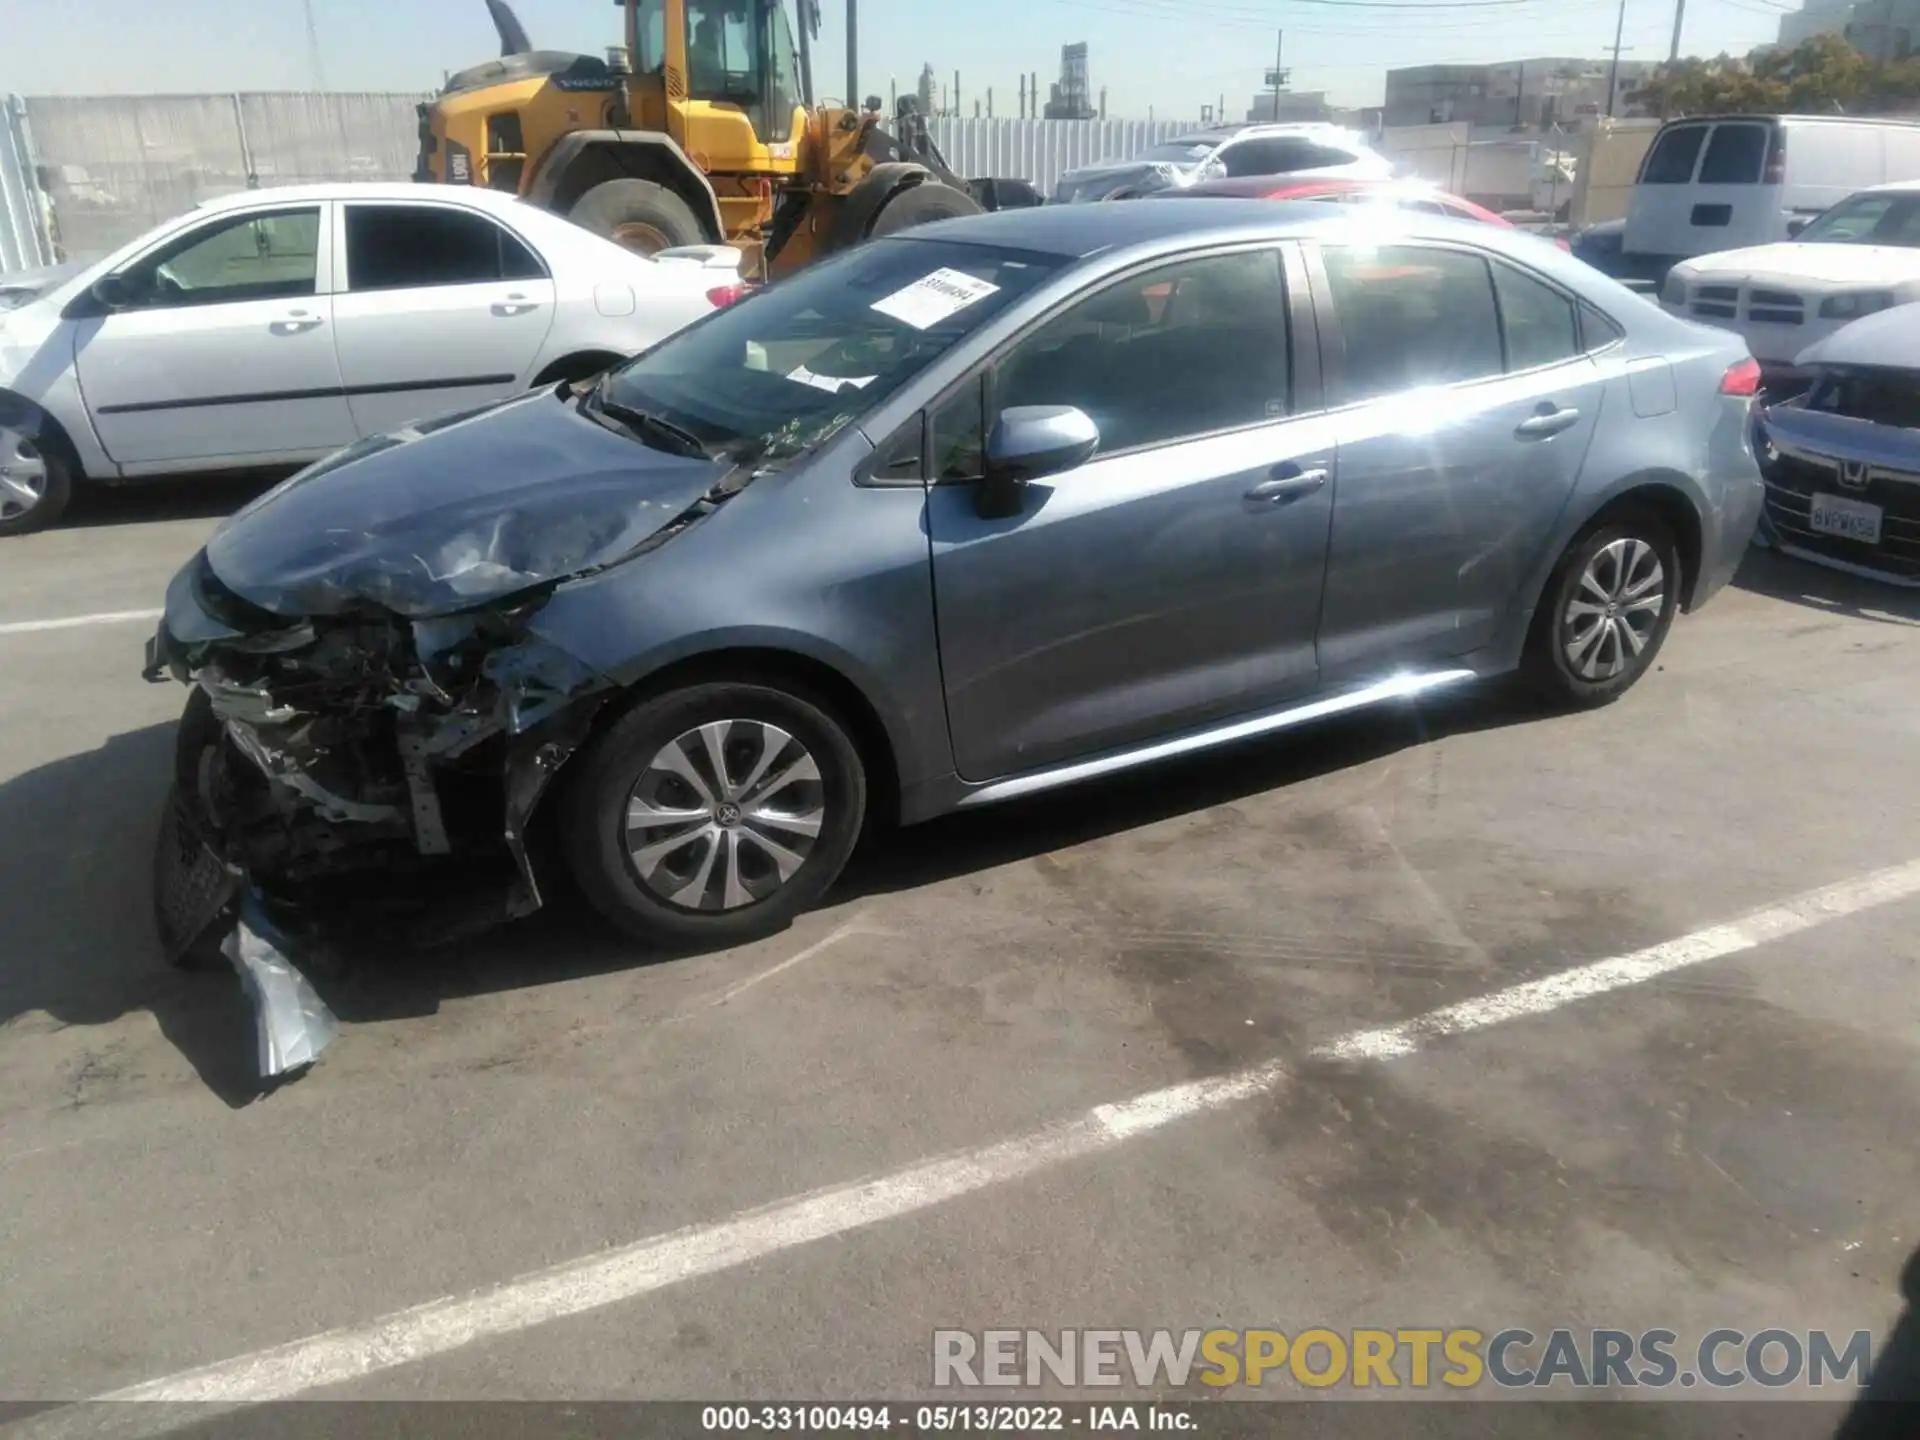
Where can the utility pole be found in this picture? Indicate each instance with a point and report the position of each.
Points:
(853, 52)
(1679, 17)
(1023, 97)
(1279, 48)
(956, 92)
(1613, 70)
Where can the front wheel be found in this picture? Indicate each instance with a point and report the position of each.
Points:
(1606, 612)
(35, 483)
(712, 815)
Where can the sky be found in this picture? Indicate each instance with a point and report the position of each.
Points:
(1169, 57)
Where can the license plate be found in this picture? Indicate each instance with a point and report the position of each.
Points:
(1850, 519)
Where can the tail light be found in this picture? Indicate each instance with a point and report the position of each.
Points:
(1742, 380)
(722, 296)
(1563, 243)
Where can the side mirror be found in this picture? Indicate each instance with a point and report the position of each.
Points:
(1795, 226)
(1028, 442)
(111, 292)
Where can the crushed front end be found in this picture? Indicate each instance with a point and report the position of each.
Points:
(354, 774)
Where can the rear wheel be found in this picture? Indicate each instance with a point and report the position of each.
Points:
(639, 215)
(922, 204)
(35, 480)
(1606, 611)
(713, 815)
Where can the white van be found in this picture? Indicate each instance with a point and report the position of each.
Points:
(1726, 182)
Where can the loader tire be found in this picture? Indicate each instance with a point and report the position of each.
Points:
(920, 205)
(638, 215)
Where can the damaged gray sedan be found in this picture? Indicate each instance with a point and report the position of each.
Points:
(990, 507)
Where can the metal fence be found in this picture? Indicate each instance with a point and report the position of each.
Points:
(1041, 151)
(116, 165)
(26, 221)
(85, 174)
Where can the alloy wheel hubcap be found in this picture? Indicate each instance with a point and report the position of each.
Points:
(1615, 607)
(23, 474)
(725, 815)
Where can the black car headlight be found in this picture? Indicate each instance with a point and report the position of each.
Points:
(1855, 303)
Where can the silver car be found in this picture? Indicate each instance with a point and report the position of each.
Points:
(1842, 458)
(1306, 151)
(983, 509)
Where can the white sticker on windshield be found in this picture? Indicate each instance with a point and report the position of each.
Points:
(932, 298)
(831, 383)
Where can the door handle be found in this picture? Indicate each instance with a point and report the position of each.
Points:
(515, 305)
(295, 322)
(1547, 422)
(1288, 483)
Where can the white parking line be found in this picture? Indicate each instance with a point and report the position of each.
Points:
(73, 622)
(419, 1333)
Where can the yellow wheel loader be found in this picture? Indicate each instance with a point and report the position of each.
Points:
(701, 129)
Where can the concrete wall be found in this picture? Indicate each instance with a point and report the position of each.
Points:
(1609, 159)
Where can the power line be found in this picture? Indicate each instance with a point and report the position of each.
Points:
(313, 48)
(1233, 17)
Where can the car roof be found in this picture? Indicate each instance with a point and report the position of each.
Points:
(1080, 231)
(1794, 119)
(473, 195)
(1254, 127)
(1260, 187)
(1894, 187)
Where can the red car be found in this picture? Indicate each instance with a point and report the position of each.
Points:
(1408, 195)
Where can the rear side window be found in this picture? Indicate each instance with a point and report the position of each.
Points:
(393, 247)
(1539, 322)
(1670, 162)
(1412, 316)
(1735, 155)
(1280, 156)
(1597, 331)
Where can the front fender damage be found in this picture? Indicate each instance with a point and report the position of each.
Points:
(356, 782)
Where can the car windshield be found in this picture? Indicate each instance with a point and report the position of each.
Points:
(1868, 220)
(783, 370)
(1181, 152)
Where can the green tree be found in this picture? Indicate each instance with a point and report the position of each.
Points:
(1819, 75)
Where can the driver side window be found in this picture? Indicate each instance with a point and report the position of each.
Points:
(272, 255)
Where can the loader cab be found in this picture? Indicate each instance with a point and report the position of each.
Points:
(725, 78)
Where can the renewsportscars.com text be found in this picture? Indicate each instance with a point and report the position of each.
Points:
(1413, 1359)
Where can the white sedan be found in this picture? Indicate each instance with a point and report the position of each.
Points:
(267, 329)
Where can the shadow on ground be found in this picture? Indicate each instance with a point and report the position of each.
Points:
(193, 497)
(1783, 577)
(77, 835)
(1889, 1407)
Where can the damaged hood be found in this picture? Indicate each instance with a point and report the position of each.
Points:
(1139, 177)
(455, 512)
(1889, 339)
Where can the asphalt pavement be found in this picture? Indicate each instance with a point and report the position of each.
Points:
(1452, 1016)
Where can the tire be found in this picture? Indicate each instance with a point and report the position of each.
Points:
(921, 204)
(36, 478)
(191, 891)
(639, 215)
(1604, 582)
(721, 886)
